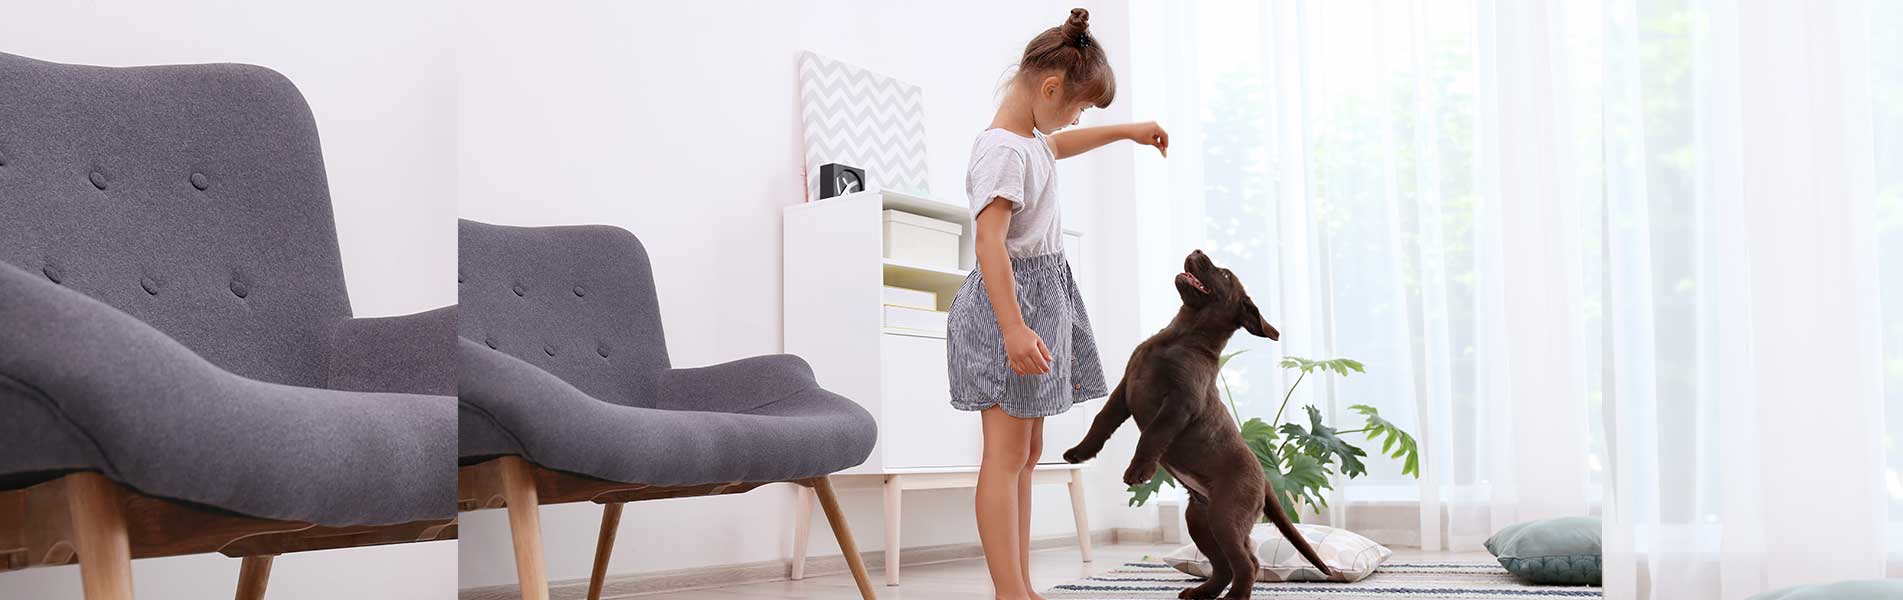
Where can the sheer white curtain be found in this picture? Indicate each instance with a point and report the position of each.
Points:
(1621, 256)
(1747, 332)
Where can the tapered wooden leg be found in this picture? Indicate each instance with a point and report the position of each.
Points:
(1078, 512)
(99, 536)
(892, 496)
(252, 576)
(610, 521)
(525, 526)
(802, 530)
(823, 488)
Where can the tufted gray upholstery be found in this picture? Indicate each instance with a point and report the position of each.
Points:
(563, 362)
(172, 304)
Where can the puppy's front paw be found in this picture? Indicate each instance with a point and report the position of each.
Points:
(1139, 474)
(1079, 454)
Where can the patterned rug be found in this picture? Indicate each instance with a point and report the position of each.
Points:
(1443, 580)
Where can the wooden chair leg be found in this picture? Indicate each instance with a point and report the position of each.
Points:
(823, 488)
(99, 537)
(802, 530)
(253, 574)
(1078, 512)
(892, 496)
(604, 545)
(525, 526)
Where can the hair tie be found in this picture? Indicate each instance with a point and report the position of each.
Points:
(1083, 40)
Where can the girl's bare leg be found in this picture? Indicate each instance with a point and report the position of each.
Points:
(1024, 506)
(1007, 446)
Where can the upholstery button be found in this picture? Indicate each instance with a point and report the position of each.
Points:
(3, 159)
(519, 291)
(580, 292)
(151, 285)
(602, 350)
(490, 341)
(239, 289)
(52, 273)
(459, 276)
(98, 179)
(549, 349)
(200, 181)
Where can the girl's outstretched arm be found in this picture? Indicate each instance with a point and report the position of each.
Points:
(1072, 142)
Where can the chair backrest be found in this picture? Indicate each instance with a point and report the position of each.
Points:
(192, 197)
(577, 301)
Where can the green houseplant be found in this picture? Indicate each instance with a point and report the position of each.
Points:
(1297, 459)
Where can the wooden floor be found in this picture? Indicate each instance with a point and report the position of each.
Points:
(966, 579)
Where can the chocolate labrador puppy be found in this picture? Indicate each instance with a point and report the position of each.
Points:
(1170, 387)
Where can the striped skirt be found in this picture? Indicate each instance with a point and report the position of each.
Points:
(981, 377)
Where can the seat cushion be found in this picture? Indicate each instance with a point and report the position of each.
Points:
(1558, 551)
(512, 407)
(85, 386)
(1865, 589)
(1352, 557)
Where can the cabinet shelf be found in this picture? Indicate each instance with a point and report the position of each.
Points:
(938, 280)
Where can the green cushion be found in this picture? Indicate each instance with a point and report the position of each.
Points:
(1562, 551)
(1874, 589)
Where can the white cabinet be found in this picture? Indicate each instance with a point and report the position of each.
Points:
(918, 402)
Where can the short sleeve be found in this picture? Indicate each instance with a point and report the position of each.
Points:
(997, 173)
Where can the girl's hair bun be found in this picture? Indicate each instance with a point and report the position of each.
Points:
(1070, 50)
(1076, 29)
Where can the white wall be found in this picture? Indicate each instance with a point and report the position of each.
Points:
(679, 121)
(378, 76)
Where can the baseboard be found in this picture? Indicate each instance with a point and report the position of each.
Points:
(773, 570)
(1139, 536)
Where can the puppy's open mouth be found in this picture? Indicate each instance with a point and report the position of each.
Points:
(1190, 279)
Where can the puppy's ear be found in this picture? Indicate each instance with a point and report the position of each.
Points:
(1252, 320)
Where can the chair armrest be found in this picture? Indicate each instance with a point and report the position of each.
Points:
(407, 354)
(734, 387)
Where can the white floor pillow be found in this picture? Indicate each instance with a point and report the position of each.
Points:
(1351, 556)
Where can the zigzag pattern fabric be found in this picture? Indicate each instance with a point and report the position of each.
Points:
(856, 117)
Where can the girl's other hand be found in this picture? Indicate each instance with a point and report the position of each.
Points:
(1026, 352)
(1151, 134)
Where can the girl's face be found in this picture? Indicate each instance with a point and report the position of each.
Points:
(1052, 111)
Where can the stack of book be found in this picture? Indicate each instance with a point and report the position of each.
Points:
(913, 312)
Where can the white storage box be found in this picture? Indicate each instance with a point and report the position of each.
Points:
(900, 319)
(910, 298)
(922, 240)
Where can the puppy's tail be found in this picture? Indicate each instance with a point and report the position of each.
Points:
(1272, 507)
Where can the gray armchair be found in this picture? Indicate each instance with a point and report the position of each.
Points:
(179, 369)
(568, 395)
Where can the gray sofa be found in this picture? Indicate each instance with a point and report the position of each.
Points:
(176, 342)
(567, 391)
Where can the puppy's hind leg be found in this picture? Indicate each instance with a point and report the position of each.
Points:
(1219, 564)
(1230, 519)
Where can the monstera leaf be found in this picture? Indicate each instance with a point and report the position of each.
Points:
(1299, 480)
(1340, 366)
(1320, 442)
(1394, 442)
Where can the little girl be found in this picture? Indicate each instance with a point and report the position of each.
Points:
(1020, 346)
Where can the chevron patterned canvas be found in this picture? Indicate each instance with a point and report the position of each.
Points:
(863, 119)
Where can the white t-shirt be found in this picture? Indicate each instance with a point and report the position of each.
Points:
(1024, 171)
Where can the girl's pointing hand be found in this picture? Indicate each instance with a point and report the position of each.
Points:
(1151, 134)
